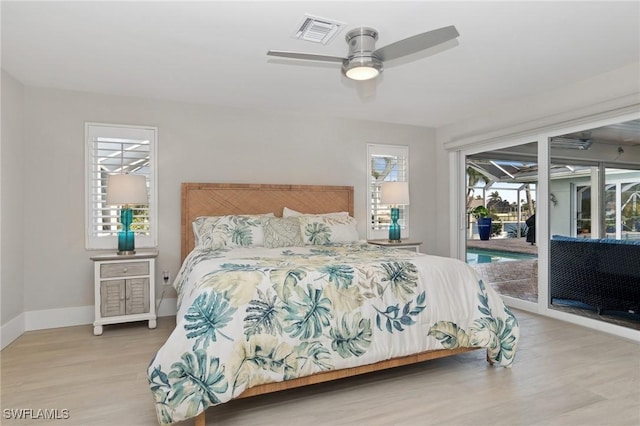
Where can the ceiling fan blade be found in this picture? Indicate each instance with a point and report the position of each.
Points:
(416, 43)
(307, 56)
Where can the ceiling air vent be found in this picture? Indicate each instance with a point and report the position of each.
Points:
(317, 30)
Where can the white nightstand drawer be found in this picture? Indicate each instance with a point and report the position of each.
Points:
(404, 244)
(124, 269)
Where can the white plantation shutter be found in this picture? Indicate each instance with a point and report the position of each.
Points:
(114, 149)
(385, 163)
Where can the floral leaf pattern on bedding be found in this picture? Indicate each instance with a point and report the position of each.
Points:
(196, 381)
(258, 360)
(229, 231)
(494, 333)
(345, 299)
(285, 281)
(491, 332)
(450, 335)
(217, 237)
(317, 233)
(308, 317)
(242, 229)
(206, 317)
(397, 318)
(160, 387)
(312, 356)
(250, 316)
(351, 336)
(263, 315)
(322, 229)
(238, 281)
(340, 275)
(195, 258)
(401, 278)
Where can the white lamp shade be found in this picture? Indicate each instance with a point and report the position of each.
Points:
(126, 189)
(394, 193)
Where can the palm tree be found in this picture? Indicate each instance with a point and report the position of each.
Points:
(473, 178)
(495, 196)
(530, 204)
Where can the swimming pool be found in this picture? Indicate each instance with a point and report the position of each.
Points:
(475, 256)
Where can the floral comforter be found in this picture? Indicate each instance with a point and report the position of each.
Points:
(248, 316)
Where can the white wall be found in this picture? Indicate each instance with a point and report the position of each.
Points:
(560, 215)
(11, 200)
(196, 143)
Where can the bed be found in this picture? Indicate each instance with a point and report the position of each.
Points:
(267, 303)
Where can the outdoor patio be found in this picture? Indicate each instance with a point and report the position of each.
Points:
(515, 278)
(514, 245)
(519, 278)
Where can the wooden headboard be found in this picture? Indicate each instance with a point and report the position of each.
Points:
(217, 199)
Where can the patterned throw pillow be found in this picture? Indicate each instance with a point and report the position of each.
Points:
(202, 226)
(281, 232)
(216, 232)
(318, 230)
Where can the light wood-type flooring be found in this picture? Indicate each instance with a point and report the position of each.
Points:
(563, 375)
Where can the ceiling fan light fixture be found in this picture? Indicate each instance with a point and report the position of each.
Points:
(362, 68)
(364, 61)
(362, 73)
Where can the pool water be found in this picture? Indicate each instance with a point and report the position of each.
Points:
(475, 256)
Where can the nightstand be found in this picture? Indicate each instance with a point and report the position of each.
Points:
(124, 288)
(404, 244)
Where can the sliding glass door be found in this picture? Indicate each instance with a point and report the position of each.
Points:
(580, 185)
(501, 194)
(594, 222)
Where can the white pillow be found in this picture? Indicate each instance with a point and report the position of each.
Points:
(318, 230)
(287, 212)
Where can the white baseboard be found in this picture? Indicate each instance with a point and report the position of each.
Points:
(63, 317)
(11, 330)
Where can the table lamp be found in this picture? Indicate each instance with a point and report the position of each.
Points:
(394, 194)
(126, 190)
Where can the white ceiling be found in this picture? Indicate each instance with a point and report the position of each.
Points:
(215, 53)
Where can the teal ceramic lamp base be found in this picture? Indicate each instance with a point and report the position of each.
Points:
(126, 237)
(394, 228)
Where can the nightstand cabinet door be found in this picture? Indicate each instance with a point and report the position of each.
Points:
(137, 296)
(112, 298)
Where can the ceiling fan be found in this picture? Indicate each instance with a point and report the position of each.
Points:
(364, 61)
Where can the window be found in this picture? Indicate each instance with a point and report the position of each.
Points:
(622, 204)
(385, 163)
(113, 149)
(616, 215)
(583, 209)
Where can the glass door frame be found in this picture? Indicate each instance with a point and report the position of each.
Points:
(458, 163)
(457, 153)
